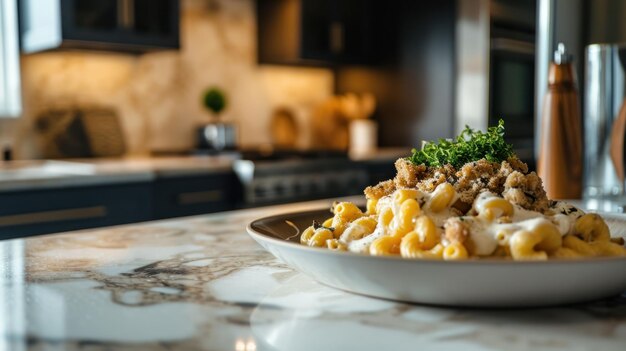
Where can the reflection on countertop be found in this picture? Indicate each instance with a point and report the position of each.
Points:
(202, 283)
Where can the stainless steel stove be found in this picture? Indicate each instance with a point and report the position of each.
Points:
(287, 177)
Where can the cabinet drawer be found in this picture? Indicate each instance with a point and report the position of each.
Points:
(56, 210)
(185, 196)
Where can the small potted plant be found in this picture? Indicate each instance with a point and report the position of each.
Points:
(214, 100)
(216, 135)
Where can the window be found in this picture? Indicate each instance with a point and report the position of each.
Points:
(10, 98)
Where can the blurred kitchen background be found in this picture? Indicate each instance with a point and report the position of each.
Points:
(118, 111)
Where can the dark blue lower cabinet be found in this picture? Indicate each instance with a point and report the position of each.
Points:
(193, 195)
(25, 213)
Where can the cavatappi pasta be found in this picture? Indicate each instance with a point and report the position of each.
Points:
(417, 224)
(461, 198)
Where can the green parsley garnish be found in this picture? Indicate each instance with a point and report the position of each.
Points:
(469, 146)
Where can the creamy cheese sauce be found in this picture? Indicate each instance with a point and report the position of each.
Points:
(363, 245)
(440, 218)
(485, 235)
(481, 200)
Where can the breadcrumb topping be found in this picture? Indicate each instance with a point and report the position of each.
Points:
(509, 178)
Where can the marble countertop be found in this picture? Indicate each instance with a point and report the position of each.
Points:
(41, 174)
(38, 174)
(201, 283)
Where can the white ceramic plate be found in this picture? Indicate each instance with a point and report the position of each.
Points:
(477, 283)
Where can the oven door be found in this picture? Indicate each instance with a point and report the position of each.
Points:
(511, 93)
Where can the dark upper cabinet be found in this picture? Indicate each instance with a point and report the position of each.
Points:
(117, 25)
(318, 32)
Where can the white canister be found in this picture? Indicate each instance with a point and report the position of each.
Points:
(363, 136)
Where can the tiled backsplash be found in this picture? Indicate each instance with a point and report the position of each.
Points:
(157, 95)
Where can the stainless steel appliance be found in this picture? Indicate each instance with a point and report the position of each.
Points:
(604, 116)
(495, 76)
(512, 72)
(217, 136)
(297, 176)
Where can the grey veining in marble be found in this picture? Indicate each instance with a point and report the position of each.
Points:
(202, 284)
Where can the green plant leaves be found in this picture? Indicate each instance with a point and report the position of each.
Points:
(214, 99)
(469, 146)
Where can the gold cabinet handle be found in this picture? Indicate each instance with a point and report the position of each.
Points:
(126, 13)
(199, 197)
(53, 216)
(336, 37)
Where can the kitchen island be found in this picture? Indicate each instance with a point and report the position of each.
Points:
(201, 283)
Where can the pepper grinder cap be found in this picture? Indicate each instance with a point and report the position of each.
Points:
(561, 55)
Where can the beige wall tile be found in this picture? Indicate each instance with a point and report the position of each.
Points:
(158, 95)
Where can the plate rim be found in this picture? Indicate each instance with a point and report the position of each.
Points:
(474, 262)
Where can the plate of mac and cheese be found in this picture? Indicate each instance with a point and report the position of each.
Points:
(464, 222)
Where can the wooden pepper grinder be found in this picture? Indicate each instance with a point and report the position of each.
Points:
(560, 156)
